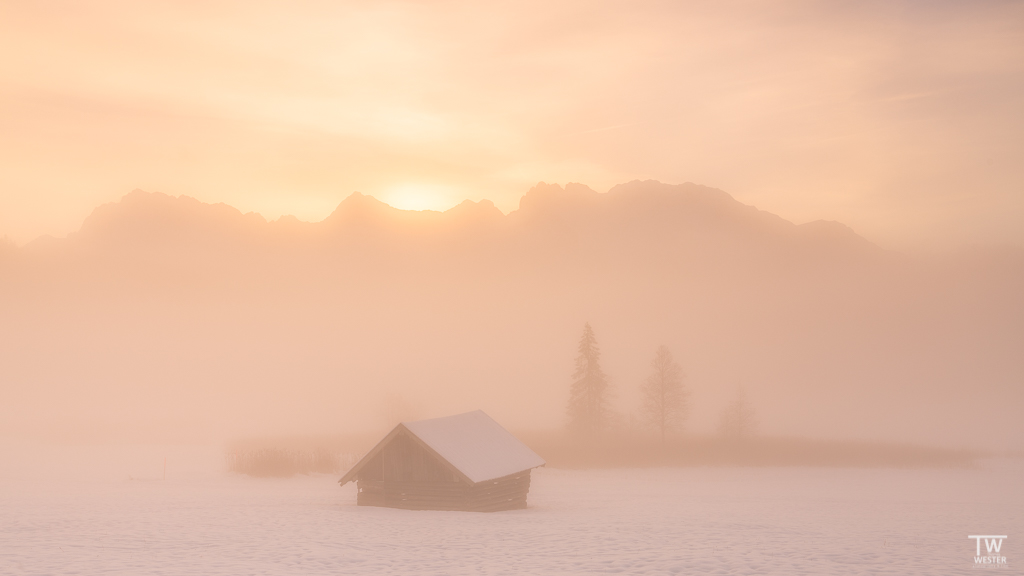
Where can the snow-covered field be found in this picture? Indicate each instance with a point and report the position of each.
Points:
(650, 521)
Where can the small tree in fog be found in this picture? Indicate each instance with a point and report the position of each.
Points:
(588, 403)
(737, 419)
(665, 399)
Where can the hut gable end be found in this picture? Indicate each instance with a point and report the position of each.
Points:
(405, 460)
(462, 462)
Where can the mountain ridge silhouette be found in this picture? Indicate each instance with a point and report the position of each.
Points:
(637, 208)
(161, 310)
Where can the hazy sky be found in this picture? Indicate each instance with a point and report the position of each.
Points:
(902, 119)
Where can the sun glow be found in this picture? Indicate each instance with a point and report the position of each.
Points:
(414, 196)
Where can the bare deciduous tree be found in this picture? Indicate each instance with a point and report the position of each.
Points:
(665, 399)
(737, 419)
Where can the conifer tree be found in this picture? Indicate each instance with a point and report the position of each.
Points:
(588, 403)
(665, 399)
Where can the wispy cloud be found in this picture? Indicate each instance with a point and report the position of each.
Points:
(607, 128)
(287, 107)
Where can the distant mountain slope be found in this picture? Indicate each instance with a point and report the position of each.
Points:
(559, 219)
(169, 317)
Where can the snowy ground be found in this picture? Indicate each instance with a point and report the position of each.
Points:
(654, 521)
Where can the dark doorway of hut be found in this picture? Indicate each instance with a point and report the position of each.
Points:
(464, 462)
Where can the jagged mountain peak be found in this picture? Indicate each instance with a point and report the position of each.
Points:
(141, 215)
(633, 213)
(547, 197)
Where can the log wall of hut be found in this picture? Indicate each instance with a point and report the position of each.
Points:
(404, 475)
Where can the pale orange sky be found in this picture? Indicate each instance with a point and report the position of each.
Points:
(904, 120)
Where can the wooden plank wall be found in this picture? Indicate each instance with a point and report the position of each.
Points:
(507, 493)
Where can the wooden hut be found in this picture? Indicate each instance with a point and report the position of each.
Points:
(462, 462)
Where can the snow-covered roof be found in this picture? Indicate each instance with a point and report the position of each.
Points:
(476, 446)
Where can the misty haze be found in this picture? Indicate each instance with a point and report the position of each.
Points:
(528, 344)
